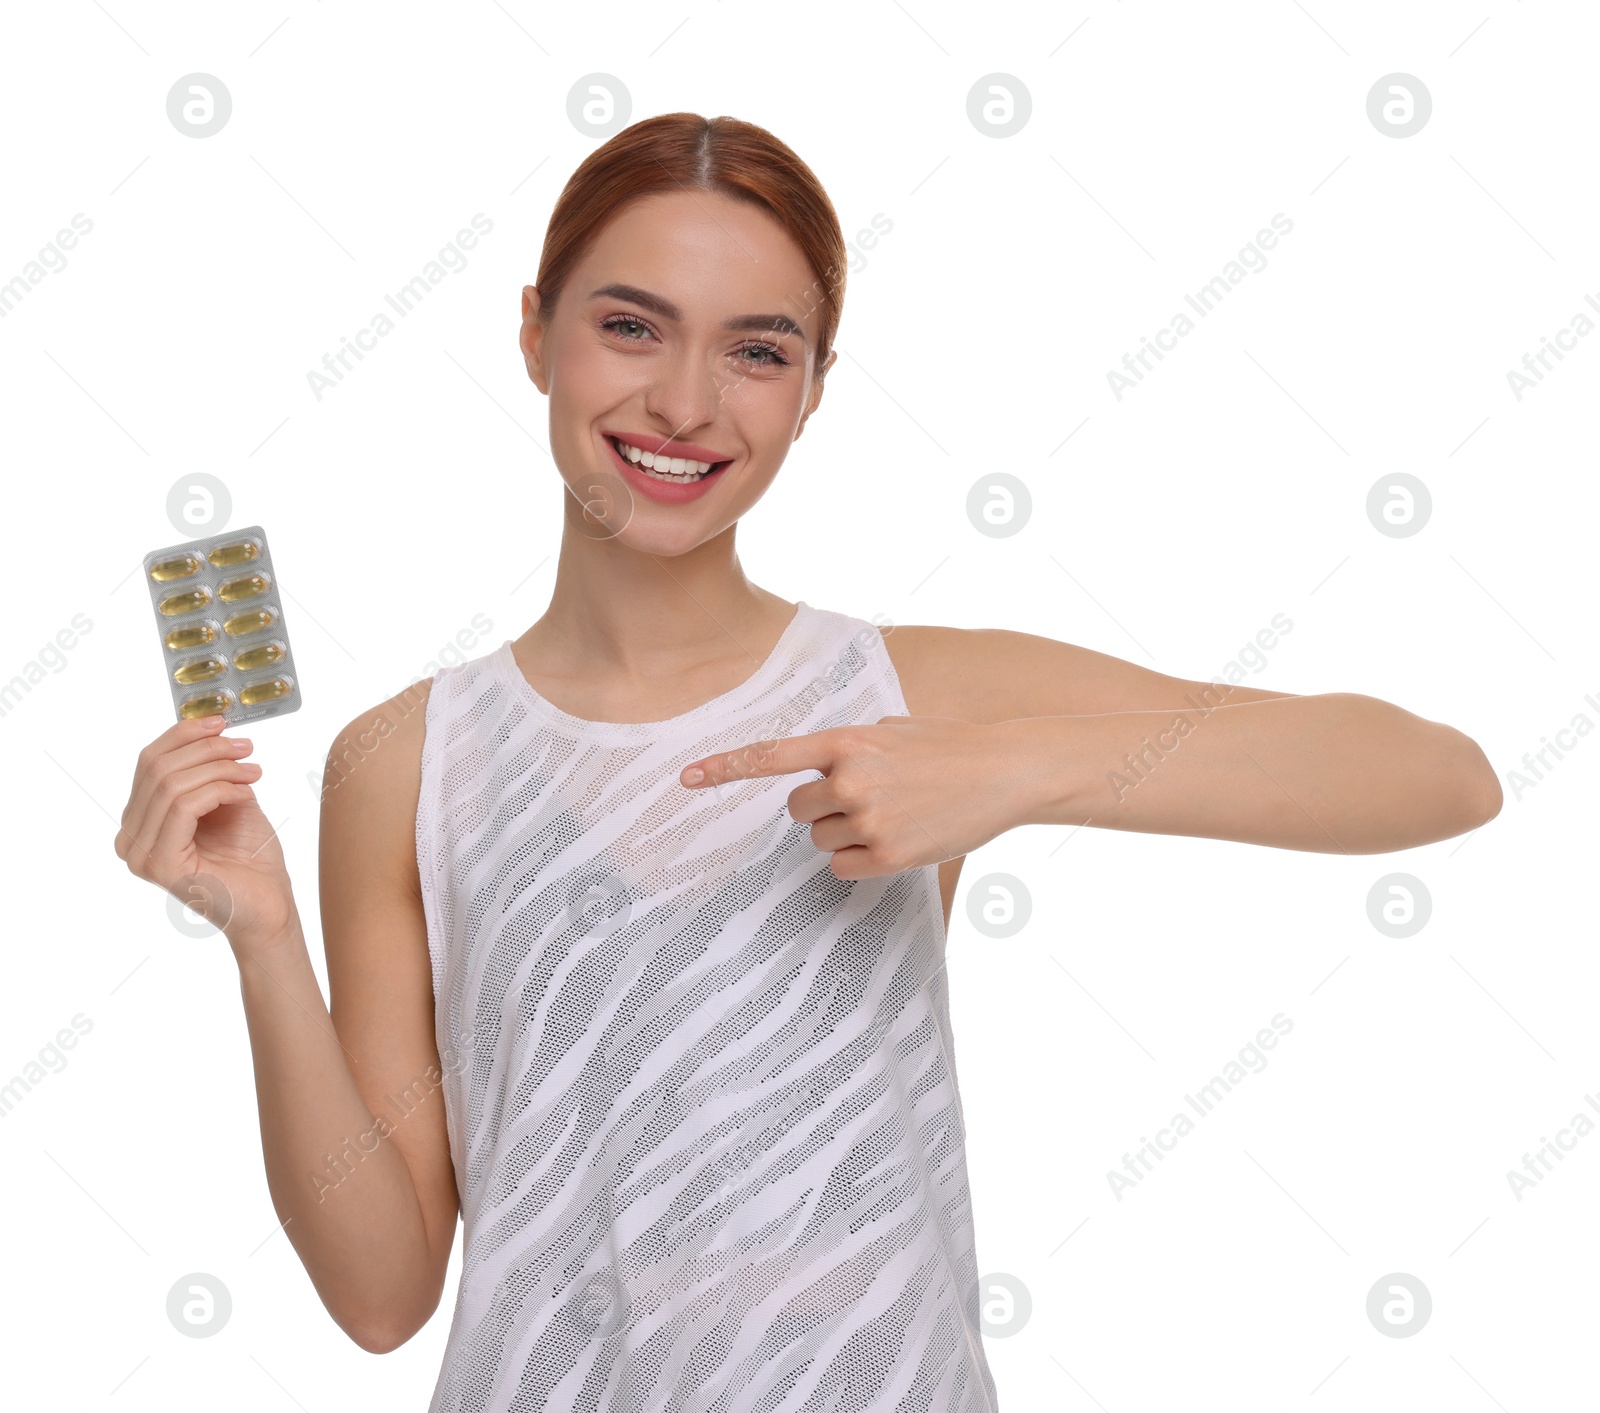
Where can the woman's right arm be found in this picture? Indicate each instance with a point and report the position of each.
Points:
(352, 1117)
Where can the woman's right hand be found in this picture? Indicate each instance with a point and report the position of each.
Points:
(192, 826)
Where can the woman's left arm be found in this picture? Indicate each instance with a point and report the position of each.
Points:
(1103, 741)
(1333, 773)
(1009, 729)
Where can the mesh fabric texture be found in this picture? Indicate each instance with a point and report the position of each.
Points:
(700, 1093)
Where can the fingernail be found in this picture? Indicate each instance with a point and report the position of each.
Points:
(693, 775)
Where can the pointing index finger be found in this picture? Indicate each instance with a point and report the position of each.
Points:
(781, 755)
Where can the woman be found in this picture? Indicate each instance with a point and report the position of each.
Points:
(668, 1029)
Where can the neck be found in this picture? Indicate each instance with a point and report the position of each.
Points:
(621, 611)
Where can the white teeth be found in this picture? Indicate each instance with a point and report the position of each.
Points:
(664, 468)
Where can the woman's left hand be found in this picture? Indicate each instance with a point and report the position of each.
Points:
(908, 791)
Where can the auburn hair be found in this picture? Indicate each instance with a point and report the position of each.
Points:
(685, 151)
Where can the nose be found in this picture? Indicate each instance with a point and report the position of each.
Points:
(686, 391)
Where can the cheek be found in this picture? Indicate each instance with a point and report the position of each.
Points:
(590, 375)
(767, 414)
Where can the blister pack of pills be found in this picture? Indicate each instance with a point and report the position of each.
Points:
(223, 639)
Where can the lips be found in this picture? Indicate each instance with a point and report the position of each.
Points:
(659, 459)
(667, 492)
(667, 446)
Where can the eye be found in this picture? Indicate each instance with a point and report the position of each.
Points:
(617, 321)
(776, 361)
(758, 355)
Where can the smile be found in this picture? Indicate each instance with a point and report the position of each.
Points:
(674, 470)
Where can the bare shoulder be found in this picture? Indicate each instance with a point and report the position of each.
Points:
(370, 785)
(367, 846)
(999, 674)
(388, 739)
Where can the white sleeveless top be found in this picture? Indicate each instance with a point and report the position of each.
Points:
(701, 1093)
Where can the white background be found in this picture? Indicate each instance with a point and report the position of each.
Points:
(1229, 486)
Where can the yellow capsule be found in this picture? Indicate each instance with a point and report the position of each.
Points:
(242, 623)
(212, 704)
(272, 690)
(180, 568)
(239, 552)
(245, 588)
(197, 637)
(185, 603)
(200, 670)
(264, 656)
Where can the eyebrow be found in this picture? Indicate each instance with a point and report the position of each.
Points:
(666, 309)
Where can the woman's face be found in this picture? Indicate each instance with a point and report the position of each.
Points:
(693, 320)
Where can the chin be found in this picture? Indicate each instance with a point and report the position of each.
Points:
(664, 541)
